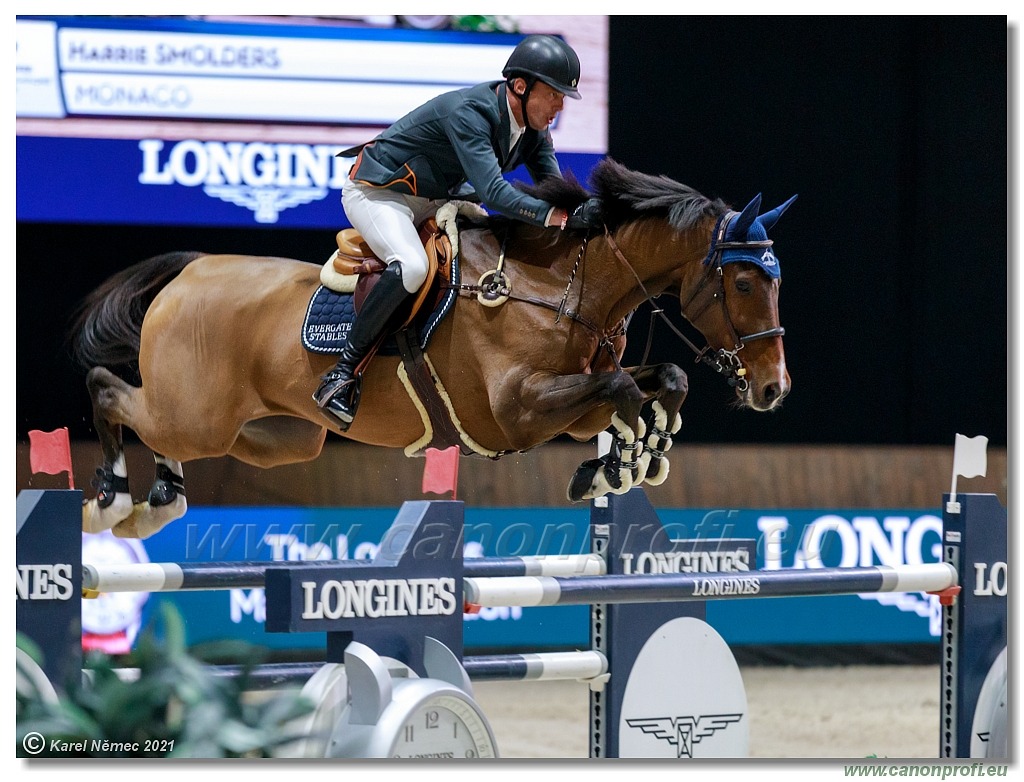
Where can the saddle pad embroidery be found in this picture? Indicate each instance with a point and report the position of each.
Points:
(329, 317)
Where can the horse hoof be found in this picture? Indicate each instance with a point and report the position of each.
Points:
(97, 518)
(581, 486)
(146, 519)
(657, 471)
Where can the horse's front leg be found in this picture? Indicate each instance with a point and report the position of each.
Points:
(560, 401)
(667, 383)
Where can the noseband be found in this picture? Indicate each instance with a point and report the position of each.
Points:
(725, 362)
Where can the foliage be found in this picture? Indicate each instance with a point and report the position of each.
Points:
(175, 707)
(486, 23)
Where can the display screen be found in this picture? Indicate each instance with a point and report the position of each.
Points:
(236, 121)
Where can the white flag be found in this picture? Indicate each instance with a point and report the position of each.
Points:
(969, 456)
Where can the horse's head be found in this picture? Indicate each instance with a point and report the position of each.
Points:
(733, 300)
(736, 306)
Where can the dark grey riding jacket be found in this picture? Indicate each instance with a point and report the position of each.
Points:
(455, 138)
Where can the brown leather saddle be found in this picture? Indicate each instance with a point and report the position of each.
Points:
(354, 257)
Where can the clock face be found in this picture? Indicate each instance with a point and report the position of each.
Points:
(110, 613)
(444, 726)
(115, 611)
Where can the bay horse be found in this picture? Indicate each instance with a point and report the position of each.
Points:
(211, 345)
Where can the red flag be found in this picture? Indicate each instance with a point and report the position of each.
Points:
(50, 452)
(441, 472)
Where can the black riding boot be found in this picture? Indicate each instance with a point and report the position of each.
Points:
(338, 394)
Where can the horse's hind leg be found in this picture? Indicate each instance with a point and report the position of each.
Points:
(166, 502)
(668, 384)
(112, 508)
(112, 502)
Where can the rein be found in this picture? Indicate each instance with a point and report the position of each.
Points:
(495, 288)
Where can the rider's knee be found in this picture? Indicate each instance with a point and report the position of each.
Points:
(414, 274)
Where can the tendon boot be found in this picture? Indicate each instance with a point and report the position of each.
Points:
(338, 394)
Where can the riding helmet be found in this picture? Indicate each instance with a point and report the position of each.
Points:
(549, 59)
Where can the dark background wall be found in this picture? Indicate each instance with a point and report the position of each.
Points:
(894, 257)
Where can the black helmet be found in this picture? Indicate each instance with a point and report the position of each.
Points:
(549, 59)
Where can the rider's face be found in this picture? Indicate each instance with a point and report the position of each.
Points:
(543, 106)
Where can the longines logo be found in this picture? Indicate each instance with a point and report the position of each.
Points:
(684, 732)
(265, 202)
(262, 177)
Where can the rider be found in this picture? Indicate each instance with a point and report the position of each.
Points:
(456, 145)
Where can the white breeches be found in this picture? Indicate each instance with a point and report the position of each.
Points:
(387, 221)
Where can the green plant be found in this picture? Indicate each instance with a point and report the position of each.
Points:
(175, 707)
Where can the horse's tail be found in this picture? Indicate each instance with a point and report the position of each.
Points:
(107, 328)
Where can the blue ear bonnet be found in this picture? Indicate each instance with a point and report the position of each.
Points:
(748, 227)
(762, 256)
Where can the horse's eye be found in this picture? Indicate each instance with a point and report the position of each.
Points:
(743, 286)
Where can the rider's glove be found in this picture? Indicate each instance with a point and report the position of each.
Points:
(586, 217)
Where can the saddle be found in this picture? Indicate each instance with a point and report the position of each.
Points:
(354, 268)
(346, 279)
(350, 274)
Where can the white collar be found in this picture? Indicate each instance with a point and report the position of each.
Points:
(515, 131)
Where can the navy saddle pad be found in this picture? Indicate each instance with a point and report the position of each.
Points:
(329, 317)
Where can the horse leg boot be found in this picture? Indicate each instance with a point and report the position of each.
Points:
(338, 394)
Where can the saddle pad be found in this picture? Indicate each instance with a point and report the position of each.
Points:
(329, 317)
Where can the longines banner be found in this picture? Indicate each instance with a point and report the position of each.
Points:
(785, 539)
(191, 182)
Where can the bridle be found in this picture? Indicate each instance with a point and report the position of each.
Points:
(494, 288)
(725, 362)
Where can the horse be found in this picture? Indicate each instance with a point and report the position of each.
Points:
(210, 362)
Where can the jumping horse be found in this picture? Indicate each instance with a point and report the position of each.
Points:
(211, 345)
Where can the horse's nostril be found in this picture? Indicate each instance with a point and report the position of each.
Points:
(771, 392)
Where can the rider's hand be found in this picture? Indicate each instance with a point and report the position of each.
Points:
(586, 217)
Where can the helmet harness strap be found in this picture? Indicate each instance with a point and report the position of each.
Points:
(530, 81)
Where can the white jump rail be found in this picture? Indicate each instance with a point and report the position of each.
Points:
(209, 576)
(528, 591)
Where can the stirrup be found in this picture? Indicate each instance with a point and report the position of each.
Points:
(330, 386)
(338, 400)
(336, 411)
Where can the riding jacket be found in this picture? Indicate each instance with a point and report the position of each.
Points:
(456, 146)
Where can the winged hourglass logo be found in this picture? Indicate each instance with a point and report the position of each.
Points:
(685, 731)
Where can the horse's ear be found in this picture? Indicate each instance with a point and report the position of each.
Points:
(741, 224)
(768, 219)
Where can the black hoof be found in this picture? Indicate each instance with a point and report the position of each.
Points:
(653, 467)
(613, 474)
(583, 479)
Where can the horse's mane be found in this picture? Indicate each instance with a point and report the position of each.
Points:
(628, 195)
